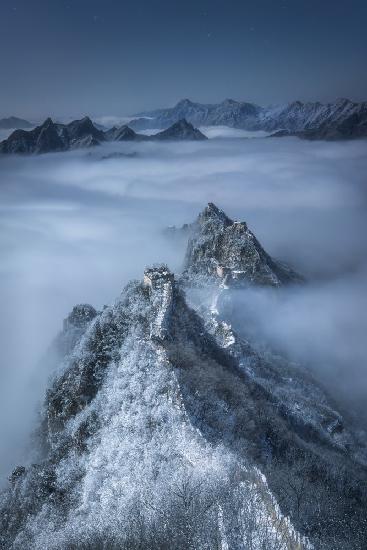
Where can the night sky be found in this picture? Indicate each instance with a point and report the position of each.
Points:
(116, 57)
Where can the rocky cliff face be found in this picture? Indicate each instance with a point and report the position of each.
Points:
(160, 423)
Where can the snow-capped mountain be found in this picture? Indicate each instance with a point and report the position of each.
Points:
(228, 113)
(163, 428)
(342, 118)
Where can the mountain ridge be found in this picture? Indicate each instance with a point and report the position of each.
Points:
(159, 387)
(343, 119)
(54, 137)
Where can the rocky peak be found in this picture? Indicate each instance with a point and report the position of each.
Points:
(343, 101)
(213, 214)
(82, 128)
(51, 136)
(296, 104)
(84, 122)
(227, 251)
(180, 130)
(229, 101)
(48, 138)
(124, 133)
(184, 103)
(47, 123)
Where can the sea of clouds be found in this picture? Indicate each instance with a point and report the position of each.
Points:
(77, 226)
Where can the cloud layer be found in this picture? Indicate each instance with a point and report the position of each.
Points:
(75, 227)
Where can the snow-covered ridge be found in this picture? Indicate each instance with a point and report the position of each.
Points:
(117, 437)
(163, 429)
(350, 118)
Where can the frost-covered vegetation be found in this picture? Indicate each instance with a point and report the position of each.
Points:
(153, 433)
(123, 464)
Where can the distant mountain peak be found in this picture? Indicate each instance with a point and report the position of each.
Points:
(296, 103)
(185, 103)
(338, 120)
(229, 101)
(48, 139)
(51, 136)
(48, 122)
(180, 130)
(14, 123)
(84, 123)
(343, 100)
(182, 123)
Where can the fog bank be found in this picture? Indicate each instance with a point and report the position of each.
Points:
(76, 226)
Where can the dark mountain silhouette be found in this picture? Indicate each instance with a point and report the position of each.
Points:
(51, 136)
